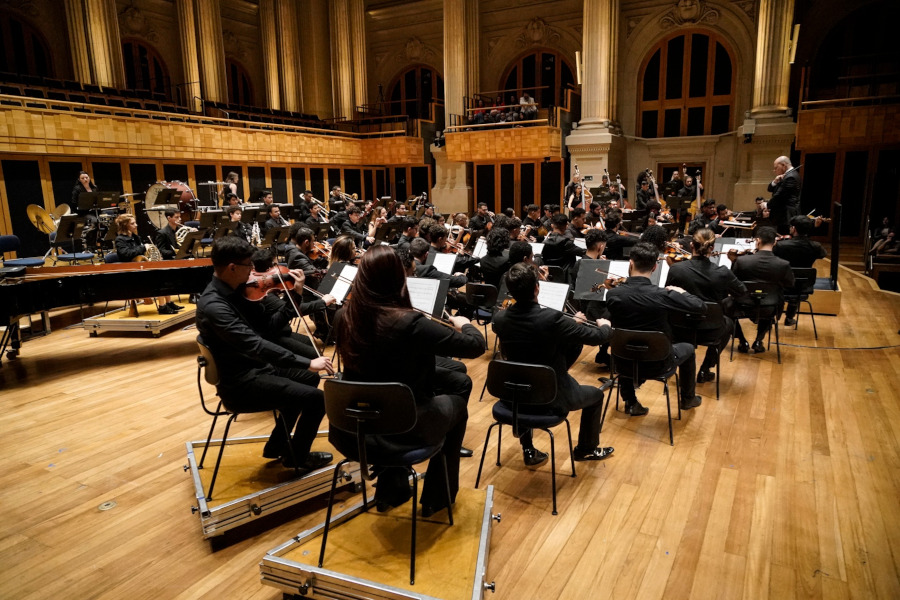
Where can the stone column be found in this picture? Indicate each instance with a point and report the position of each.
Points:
(453, 190)
(269, 44)
(359, 51)
(772, 74)
(596, 144)
(315, 59)
(598, 76)
(341, 59)
(289, 55)
(473, 58)
(188, 38)
(75, 25)
(212, 51)
(104, 43)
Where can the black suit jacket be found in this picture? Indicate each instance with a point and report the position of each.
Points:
(543, 336)
(785, 201)
(430, 272)
(763, 266)
(560, 251)
(706, 280)
(493, 268)
(166, 242)
(801, 252)
(640, 305)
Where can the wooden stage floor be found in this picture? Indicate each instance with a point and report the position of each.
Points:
(787, 487)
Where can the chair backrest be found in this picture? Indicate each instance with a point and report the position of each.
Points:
(556, 273)
(481, 295)
(521, 383)
(639, 346)
(207, 363)
(804, 282)
(9, 243)
(764, 293)
(112, 257)
(712, 319)
(370, 408)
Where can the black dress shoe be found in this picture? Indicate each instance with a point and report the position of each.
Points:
(758, 347)
(598, 453)
(693, 403)
(174, 306)
(534, 457)
(387, 501)
(636, 409)
(165, 310)
(466, 452)
(744, 347)
(703, 376)
(788, 322)
(315, 460)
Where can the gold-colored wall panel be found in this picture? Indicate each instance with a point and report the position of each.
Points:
(854, 126)
(492, 145)
(45, 132)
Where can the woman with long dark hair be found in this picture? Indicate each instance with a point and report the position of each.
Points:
(382, 339)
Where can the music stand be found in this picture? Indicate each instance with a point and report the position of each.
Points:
(321, 231)
(385, 232)
(70, 229)
(272, 236)
(249, 214)
(89, 201)
(209, 218)
(428, 295)
(225, 229)
(186, 249)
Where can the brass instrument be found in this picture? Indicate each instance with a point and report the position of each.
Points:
(182, 233)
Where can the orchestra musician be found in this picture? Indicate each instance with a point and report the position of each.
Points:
(762, 265)
(130, 249)
(495, 263)
(576, 199)
(257, 374)
(708, 216)
(785, 189)
(165, 238)
(399, 213)
(273, 212)
(231, 186)
(377, 330)
(419, 250)
(481, 218)
(84, 184)
(231, 199)
(379, 218)
(410, 230)
(576, 223)
(316, 216)
(242, 230)
(640, 305)
(711, 283)
(532, 222)
(343, 251)
(617, 238)
(644, 195)
(356, 228)
(801, 252)
(532, 334)
(560, 250)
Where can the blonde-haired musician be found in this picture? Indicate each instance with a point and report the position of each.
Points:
(129, 248)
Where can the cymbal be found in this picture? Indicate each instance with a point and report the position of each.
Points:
(40, 218)
(60, 211)
(127, 195)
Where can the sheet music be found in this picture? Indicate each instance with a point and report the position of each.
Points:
(444, 262)
(480, 249)
(423, 293)
(581, 243)
(663, 273)
(553, 295)
(618, 268)
(537, 248)
(724, 261)
(343, 282)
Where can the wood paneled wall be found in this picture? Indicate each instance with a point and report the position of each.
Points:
(492, 145)
(830, 128)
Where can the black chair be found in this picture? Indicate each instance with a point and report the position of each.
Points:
(765, 301)
(556, 274)
(361, 410)
(642, 355)
(701, 330)
(804, 286)
(517, 385)
(482, 297)
(206, 366)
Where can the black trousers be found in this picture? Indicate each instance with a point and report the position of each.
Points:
(294, 394)
(590, 402)
(683, 357)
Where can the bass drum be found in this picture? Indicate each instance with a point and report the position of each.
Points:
(153, 193)
(187, 202)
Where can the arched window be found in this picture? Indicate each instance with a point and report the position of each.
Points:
(240, 90)
(24, 49)
(686, 87)
(413, 90)
(144, 68)
(544, 74)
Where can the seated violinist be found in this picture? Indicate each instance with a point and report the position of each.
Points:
(617, 238)
(576, 224)
(419, 250)
(437, 234)
(560, 250)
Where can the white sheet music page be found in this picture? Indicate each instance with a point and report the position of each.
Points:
(553, 295)
(444, 262)
(724, 261)
(480, 248)
(423, 293)
(342, 285)
(581, 243)
(537, 248)
(617, 269)
(663, 273)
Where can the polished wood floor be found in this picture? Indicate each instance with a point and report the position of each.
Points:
(789, 486)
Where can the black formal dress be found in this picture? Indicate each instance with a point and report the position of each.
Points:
(166, 241)
(761, 266)
(256, 373)
(785, 201)
(407, 351)
(543, 336)
(77, 191)
(711, 283)
(640, 305)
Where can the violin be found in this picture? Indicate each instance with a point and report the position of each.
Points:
(733, 254)
(320, 250)
(608, 284)
(260, 284)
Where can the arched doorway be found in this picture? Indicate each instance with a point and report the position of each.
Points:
(144, 68)
(544, 74)
(413, 90)
(24, 49)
